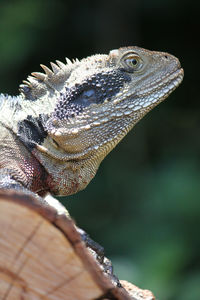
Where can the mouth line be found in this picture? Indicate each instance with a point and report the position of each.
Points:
(173, 78)
(171, 82)
(153, 95)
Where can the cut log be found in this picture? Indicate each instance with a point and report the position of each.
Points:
(42, 255)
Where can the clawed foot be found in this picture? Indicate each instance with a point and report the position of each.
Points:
(98, 251)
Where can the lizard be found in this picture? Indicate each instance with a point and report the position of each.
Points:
(55, 134)
(66, 120)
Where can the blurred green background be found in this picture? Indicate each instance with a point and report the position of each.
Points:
(143, 206)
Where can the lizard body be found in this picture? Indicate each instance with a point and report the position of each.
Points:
(55, 134)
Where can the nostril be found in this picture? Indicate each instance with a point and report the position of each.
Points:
(166, 56)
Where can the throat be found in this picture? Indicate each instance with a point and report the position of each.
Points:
(66, 177)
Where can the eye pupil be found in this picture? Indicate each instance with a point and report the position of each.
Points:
(134, 61)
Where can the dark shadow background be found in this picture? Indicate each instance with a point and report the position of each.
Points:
(143, 206)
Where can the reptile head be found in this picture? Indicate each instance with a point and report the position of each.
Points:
(83, 109)
(106, 95)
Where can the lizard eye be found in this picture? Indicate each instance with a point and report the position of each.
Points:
(132, 62)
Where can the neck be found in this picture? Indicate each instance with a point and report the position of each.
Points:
(66, 176)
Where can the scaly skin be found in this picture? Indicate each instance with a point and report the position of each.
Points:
(55, 134)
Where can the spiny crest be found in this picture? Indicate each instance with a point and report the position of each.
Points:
(37, 85)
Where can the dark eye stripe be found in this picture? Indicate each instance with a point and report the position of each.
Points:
(95, 89)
